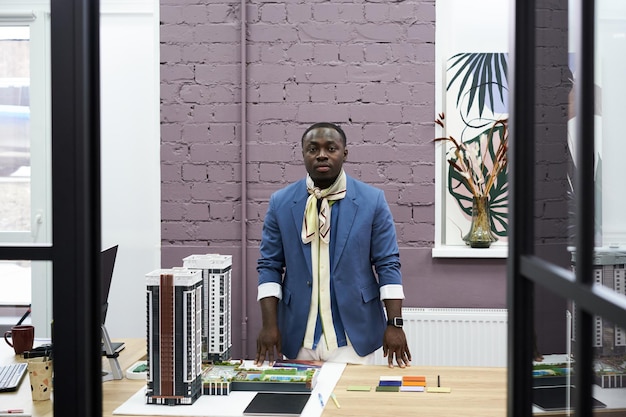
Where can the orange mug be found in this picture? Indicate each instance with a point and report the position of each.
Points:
(22, 338)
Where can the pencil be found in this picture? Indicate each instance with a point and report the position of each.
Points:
(24, 316)
(334, 397)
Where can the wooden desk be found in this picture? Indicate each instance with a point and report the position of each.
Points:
(475, 392)
(114, 392)
(479, 392)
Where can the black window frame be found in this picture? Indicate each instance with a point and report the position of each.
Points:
(76, 229)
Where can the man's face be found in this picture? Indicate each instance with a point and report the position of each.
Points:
(324, 153)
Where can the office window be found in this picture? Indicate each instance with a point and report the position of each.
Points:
(25, 160)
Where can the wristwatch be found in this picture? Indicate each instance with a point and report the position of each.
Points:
(395, 321)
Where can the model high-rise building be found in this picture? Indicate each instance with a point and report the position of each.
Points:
(174, 307)
(609, 340)
(216, 303)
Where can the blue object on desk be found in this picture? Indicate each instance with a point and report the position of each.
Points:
(390, 383)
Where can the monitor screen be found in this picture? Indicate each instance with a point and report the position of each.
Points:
(107, 262)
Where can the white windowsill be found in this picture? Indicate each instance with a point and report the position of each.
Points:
(454, 251)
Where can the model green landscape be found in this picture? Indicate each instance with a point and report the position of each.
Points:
(236, 376)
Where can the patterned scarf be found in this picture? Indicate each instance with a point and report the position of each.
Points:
(316, 231)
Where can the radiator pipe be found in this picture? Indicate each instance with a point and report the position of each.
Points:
(244, 181)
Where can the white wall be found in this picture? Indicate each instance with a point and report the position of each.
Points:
(131, 197)
(610, 67)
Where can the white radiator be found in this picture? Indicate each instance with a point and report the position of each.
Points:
(455, 337)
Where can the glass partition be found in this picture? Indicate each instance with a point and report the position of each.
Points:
(552, 356)
(554, 387)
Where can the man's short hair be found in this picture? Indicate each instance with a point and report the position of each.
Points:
(329, 125)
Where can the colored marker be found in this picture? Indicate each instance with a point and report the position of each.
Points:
(334, 397)
(319, 395)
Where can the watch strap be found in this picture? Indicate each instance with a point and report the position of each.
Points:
(395, 321)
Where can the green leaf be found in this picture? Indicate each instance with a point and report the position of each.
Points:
(471, 61)
(485, 70)
(501, 59)
(488, 82)
(476, 84)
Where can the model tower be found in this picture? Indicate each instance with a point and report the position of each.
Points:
(216, 304)
(174, 310)
(609, 341)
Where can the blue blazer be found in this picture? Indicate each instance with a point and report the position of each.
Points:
(363, 239)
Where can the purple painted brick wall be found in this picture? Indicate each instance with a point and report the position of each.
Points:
(368, 65)
(553, 81)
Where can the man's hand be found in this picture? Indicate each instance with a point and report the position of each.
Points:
(268, 340)
(269, 336)
(394, 345)
(394, 339)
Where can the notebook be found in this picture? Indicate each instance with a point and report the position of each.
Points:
(277, 404)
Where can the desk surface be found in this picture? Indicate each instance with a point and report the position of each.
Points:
(114, 392)
(475, 391)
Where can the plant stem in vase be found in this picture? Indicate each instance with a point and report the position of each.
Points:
(480, 234)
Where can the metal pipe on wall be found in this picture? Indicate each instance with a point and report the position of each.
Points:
(244, 181)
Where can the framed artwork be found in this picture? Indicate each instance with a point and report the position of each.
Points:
(474, 141)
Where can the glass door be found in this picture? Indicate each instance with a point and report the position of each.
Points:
(575, 259)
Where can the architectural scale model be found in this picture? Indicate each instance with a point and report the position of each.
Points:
(174, 307)
(610, 340)
(221, 378)
(216, 304)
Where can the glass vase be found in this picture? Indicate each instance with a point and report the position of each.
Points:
(480, 234)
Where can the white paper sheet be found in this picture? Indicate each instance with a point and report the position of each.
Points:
(232, 405)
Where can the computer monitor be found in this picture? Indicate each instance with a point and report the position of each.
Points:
(107, 264)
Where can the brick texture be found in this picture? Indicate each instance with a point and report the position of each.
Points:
(368, 66)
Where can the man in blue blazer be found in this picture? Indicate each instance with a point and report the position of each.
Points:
(328, 261)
